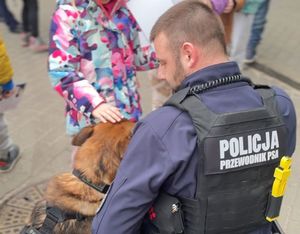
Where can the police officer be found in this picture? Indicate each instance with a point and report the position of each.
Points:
(213, 146)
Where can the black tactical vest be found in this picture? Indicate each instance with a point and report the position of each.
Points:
(238, 155)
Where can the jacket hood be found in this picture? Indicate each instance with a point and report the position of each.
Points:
(118, 4)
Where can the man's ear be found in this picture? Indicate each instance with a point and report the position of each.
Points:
(81, 137)
(189, 55)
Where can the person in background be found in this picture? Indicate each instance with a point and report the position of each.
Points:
(227, 19)
(178, 162)
(9, 152)
(257, 29)
(30, 36)
(242, 24)
(94, 54)
(13, 25)
(220, 6)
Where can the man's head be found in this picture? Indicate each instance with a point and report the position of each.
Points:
(187, 37)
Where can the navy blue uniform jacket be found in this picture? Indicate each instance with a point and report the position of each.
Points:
(162, 154)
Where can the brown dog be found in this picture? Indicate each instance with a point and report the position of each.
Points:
(101, 148)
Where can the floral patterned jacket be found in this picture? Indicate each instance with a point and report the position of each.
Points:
(93, 58)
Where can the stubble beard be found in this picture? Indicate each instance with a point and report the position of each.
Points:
(179, 75)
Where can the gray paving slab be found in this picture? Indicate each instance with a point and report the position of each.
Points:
(280, 47)
(37, 125)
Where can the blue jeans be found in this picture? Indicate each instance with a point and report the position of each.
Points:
(10, 20)
(257, 29)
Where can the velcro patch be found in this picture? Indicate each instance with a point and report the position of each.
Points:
(240, 151)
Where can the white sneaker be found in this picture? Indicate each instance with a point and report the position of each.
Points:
(13, 155)
(250, 61)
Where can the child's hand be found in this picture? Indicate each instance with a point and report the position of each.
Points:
(7, 94)
(106, 112)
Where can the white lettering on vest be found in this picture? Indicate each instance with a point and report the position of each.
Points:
(255, 140)
(224, 146)
(248, 160)
(274, 140)
(236, 146)
(252, 149)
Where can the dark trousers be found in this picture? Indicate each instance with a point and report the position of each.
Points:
(9, 19)
(30, 17)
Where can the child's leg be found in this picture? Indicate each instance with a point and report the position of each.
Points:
(5, 140)
(161, 91)
(33, 17)
(9, 152)
(240, 35)
(257, 29)
(9, 18)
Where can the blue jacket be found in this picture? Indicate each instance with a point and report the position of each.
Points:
(162, 154)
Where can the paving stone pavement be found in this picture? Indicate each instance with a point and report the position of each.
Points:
(37, 125)
(280, 47)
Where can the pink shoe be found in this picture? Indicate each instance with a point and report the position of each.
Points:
(37, 44)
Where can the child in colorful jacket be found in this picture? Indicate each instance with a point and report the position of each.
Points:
(9, 152)
(93, 58)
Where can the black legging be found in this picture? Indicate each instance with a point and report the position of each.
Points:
(30, 17)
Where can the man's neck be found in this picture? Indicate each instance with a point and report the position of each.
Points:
(203, 63)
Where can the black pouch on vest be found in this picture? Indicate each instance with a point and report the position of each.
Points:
(165, 217)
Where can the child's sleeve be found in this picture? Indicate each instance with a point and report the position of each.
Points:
(144, 56)
(6, 71)
(64, 63)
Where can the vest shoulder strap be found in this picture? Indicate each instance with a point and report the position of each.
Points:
(197, 110)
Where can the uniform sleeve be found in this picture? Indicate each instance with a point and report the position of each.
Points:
(141, 173)
(287, 110)
(147, 165)
(6, 71)
(64, 62)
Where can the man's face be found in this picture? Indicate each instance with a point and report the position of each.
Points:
(170, 68)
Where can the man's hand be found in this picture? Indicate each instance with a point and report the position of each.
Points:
(106, 112)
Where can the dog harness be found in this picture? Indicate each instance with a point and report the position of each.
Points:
(55, 215)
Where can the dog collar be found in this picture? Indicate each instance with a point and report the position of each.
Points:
(102, 187)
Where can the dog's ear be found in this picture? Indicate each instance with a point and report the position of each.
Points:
(122, 145)
(81, 137)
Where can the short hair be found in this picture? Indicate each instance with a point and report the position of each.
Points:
(190, 21)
